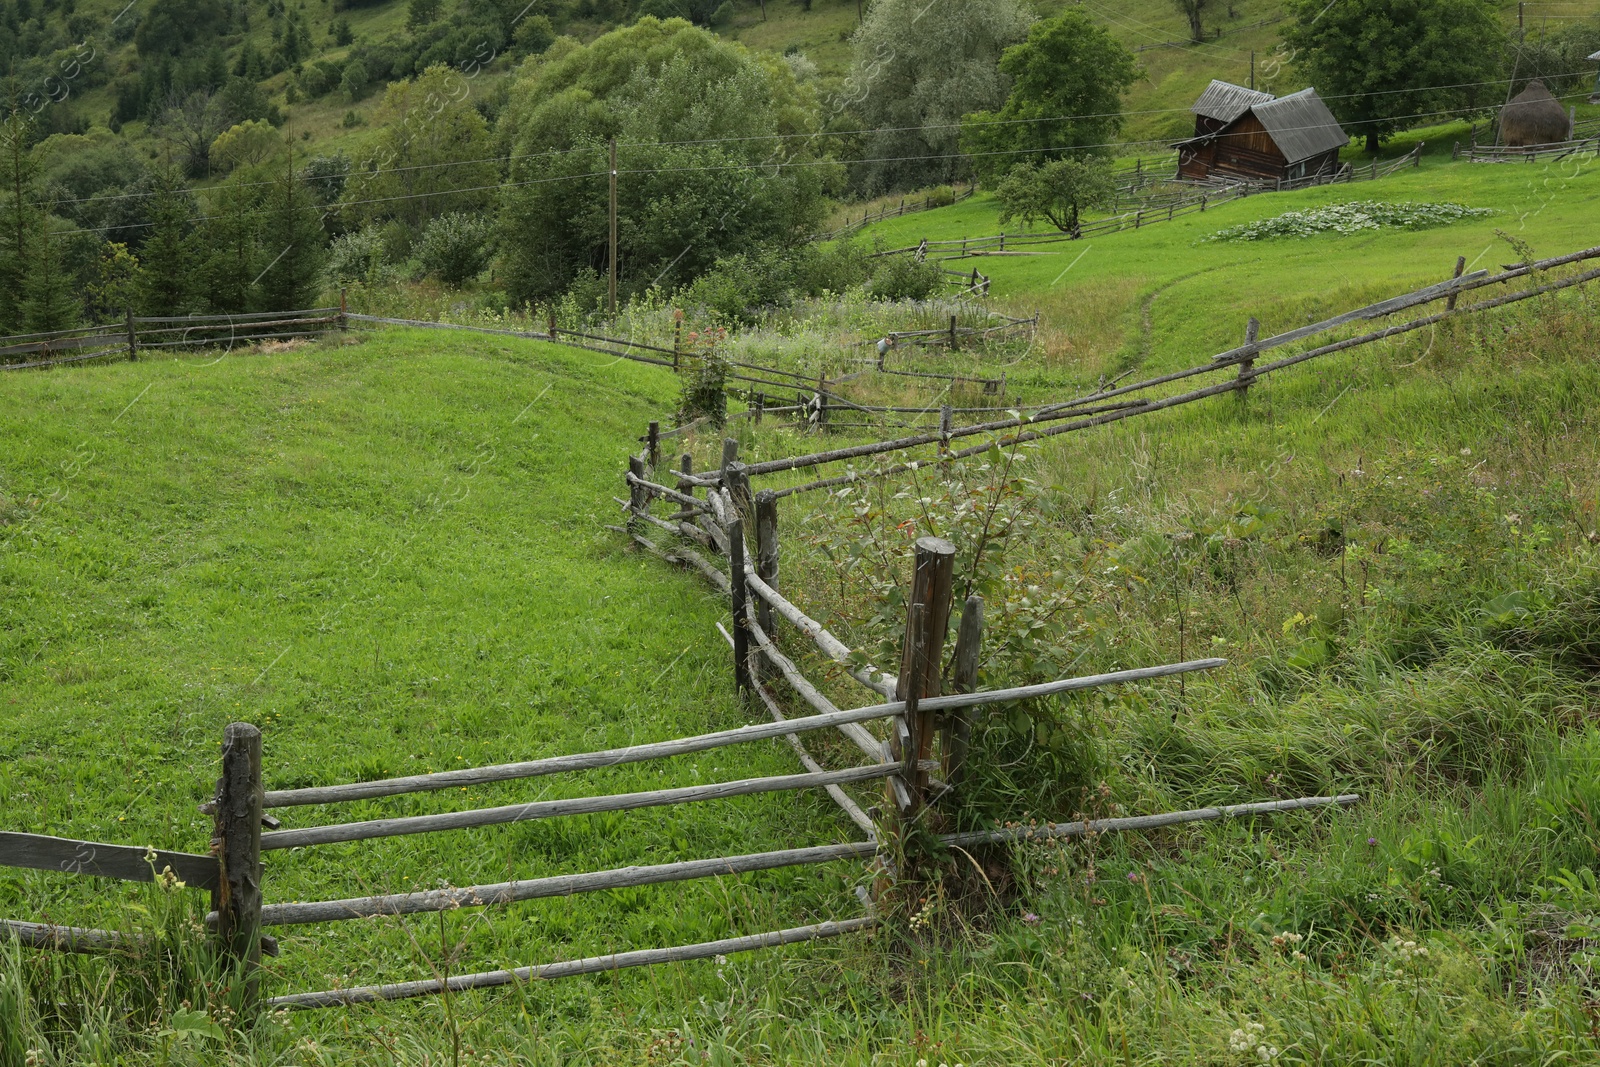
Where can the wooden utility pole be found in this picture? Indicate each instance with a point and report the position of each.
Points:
(237, 843)
(611, 298)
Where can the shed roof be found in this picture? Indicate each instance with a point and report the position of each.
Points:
(1301, 125)
(1224, 101)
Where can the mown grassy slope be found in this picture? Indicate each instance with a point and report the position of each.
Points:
(388, 555)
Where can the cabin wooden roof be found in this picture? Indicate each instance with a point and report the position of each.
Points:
(1301, 125)
(1224, 101)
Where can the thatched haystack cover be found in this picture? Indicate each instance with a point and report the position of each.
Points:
(1534, 117)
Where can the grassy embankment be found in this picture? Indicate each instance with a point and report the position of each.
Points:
(1391, 547)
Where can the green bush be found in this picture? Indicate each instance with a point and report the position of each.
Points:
(456, 247)
(903, 278)
(358, 257)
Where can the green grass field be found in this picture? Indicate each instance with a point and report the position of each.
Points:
(388, 555)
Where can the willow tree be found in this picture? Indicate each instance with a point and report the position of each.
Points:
(714, 159)
(919, 67)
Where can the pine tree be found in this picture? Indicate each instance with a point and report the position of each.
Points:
(290, 278)
(168, 253)
(49, 302)
(233, 242)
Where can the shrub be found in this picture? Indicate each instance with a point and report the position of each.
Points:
(903, 278)
(358, 257)
(456, 246)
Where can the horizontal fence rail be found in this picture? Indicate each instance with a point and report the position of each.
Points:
(139, 332)
(550, 809)
(130, 863)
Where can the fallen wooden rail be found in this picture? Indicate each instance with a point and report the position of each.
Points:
(550, 809)
(63, 938)
(705, 950)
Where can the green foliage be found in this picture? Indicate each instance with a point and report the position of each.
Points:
(1057, 191)
(681, 206)
(534, 34)
(703, 387)
(1559, 58)
(171, 27)
(1383, 68)
(918, 67)
(49, 301)
(1067, 81)
(293, 247)
(358, 257)
(905, 278)
(740, 287)
(432, 154)
(170, 249)
(20, 222)
(248, 144)
(455, 247)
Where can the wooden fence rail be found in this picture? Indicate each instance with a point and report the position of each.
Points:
(138, 332)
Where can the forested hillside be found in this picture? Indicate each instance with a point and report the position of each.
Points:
(219, 156)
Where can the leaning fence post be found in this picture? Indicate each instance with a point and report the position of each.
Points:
(953, 342)
(760, 407)
(958, 728)
(638, 496)
(237, 843)
(133, 338)
(1461, 265)
(767, 555)
(737, 482)
(946, 426)
(344, 310)
(923, 649)
(741, 629)
(1252, 330)
(653, 441)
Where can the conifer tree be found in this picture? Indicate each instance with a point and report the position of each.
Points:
(49, 301)
(169, 251)
(233, 245)
(293, 255)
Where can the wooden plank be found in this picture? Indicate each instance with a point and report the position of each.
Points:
(831, 646)
(1045, 831)
(594, 964)
(562, 885)
(870, 746)
(62, 938)
(127, 862)
(551, 809)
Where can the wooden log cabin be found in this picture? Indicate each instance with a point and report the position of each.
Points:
(1244, 133)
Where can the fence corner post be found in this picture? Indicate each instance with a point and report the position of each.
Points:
(1461, 265)
(1252, 330)
(653, 442)
(922, 653)
(767, 556)
(741, 628)
(344, 310)
(958, 730)
(133, 337)
(638, 495)
(237, 842)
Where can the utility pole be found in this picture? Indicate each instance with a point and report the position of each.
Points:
(611, 301)
(1252, 68)
(1520, 6)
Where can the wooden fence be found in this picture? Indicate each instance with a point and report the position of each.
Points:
(892, 211)
(1236, 367)
(134, 334)
(1475, 153)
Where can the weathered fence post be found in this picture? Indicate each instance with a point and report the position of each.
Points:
(767, 555)
(923, 652)
(946, 425)
(344, 310)
(677, 336)
(686, 466)
(653, 442)
(551, 321)
(730, 450)
(958, 727)
(638, 496)
(741, 629)
(954, 344)
(759, 406)
(737, 482)
(133, 338)
(1461, 265)
(1252, 330)
(236, 840)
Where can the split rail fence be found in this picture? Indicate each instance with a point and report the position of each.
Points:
(134, 334)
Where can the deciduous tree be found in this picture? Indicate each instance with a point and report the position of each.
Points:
(1383, 66)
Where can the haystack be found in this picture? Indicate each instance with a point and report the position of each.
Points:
(1533, 117)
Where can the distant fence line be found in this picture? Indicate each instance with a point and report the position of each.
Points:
(137, 333)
